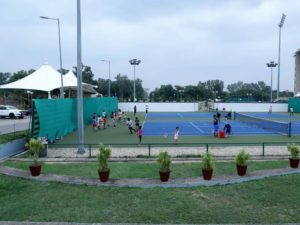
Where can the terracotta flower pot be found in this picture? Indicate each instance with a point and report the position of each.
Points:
(35, 170)
(241, 169)
(294, 163)
(207, 174)
(103, 175)
(164, 175)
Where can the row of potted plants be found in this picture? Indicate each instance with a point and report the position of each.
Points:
(164, 159)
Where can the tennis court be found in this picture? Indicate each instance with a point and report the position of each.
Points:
(255, 124)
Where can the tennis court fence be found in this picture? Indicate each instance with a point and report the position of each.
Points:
(175, 150)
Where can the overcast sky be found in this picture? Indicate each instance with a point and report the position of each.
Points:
(179, 42)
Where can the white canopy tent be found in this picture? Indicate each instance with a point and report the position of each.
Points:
(47, 79)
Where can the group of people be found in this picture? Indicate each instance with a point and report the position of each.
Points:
(216, 128)
(100, 121)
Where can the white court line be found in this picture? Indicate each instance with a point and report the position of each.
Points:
(197, 128)
(180, 115)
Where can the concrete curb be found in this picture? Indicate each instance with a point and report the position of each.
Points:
(147, 182)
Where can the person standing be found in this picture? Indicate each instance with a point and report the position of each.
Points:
(176, 135)
(146, 110)
(134, 110)
(215, 126)
(140, 134)
(291, 111)
(270, 109)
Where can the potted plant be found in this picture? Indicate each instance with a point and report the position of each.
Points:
(102, 158)
(241, 162)
(294, 159)
(35, 146)
(207, 165)
(164, 160)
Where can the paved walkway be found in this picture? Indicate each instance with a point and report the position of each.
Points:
(150, 183)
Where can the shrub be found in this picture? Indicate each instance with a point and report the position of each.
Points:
(207, 161)
(34, 146)
(294, 150)
(103, 156)
(164, 160)
(242, 157)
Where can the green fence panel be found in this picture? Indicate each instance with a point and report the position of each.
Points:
(295, 104)
(58, 117)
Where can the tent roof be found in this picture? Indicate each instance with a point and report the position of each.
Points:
(44, 79)
(47, 79)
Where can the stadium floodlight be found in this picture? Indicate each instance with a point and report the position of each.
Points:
(134, 62)
(271, 65)
(108, 61)
(280, 25)
(60, 59)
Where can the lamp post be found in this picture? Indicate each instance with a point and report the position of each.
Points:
(134, 62)
(271, 65)
(280, 25)
(104, 60)
(79, 84)
(60, 60)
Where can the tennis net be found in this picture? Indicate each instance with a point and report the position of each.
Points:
(271, 125)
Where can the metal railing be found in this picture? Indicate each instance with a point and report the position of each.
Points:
(175, 150)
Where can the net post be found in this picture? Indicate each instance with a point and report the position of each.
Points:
(263, 149)
(290, 129)
(149, 150)
(206, 147)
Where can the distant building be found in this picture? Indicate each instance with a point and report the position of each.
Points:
(297, 72)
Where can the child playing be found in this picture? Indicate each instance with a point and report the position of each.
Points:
(140, 133)
(227, 129)
(176, 135)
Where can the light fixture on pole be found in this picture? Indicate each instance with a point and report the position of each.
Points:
(280, 25)
(134, 62)
(104, 60)
(271, 64)
(60, 60)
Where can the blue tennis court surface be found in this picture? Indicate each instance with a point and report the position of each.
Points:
(205, 128)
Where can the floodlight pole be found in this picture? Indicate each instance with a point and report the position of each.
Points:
(280, 25)
(104, 60)
(79, 85)
(134, 62)
(271, 65)
(60, 58)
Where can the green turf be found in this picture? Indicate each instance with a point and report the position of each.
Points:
(272, 200)
(146, 169)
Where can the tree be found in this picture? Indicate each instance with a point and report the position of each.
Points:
(4, 77)
(87, 74)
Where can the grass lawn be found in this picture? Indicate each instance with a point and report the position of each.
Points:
(273, 200)
(145, 170)
(4, 138)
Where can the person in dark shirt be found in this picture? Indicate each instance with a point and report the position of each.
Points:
(215, 126)
(227, 129)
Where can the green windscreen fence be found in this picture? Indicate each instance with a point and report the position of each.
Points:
(295, 104)
(58, 117)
